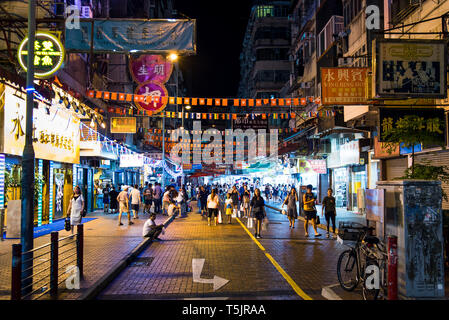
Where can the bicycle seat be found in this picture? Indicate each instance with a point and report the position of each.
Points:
(371, 239)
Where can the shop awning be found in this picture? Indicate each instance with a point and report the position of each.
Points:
(96, 149)
(336, 132)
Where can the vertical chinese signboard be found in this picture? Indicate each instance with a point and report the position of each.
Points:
(410, 68)
(151, 72)
(343, 86)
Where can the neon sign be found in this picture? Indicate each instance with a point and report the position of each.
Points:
(48, 54)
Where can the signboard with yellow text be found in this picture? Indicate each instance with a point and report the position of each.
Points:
(123, 125)
(56, 131)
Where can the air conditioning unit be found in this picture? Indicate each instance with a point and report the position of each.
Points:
(86, 12)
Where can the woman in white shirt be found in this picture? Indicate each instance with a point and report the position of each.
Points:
(76, 207)
(212, 206)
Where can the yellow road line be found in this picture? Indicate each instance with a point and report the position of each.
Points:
(290, 281)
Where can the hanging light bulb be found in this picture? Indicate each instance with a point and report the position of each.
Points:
(92, 123)
(103, 125)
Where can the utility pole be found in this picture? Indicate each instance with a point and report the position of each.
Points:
(27, 197)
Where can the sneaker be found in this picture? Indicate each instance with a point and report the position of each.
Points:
(260, 236)
(130, 223)
(317, 235)
(327, 235)
(120, 224)
(255, 235)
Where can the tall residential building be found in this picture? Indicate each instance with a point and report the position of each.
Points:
(264, 60)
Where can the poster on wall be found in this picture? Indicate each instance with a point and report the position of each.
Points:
(59, 195)
(410, 68)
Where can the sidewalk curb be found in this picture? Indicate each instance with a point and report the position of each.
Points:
(105, 280)
(329, 294)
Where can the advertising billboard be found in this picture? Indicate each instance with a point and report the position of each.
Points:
(409, 68)
(123, 125)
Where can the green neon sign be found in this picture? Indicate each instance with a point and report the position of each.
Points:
(48, 54)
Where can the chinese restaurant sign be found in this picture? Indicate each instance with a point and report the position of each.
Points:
(123, 36)
(388, 118)
(123, 125)
(48, 54)
(56, 135)
(410, 68)
(343, 86)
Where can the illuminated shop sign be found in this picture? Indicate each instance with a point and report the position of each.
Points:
(48, 54)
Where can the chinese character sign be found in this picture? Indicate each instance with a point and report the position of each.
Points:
(343, 86)
(123, 125)
(410, 68)
(432, 120)
(155, 90)
(48, 54)
(150, 68)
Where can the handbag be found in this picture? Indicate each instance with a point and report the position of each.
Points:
(234, 213)
(84, 213)
(67, 226)
(317, 219)
(265, 223)
(220, 220)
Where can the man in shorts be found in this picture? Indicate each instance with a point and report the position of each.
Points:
(308, 201)
(135, 201)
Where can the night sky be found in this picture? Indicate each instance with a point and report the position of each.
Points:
(221, 25)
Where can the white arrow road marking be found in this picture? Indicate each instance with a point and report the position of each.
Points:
(197, 267)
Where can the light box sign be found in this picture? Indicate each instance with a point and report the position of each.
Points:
(350, 153)
(131, 160)
(56, 133)
(343, 86)
(48, 54)
(123, 125)
(312, 166)
(410, 68)
(124, 36)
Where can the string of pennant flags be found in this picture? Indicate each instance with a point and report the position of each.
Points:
(233, 116)
(129, 97)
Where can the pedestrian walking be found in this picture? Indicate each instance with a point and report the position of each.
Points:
(148, 198)
(258, 211)
(329, 211)
(76, 208)
(212, 206)
(157, 197)
(113, 199)
(106, 199)
(292, 212)
(229, 207)
(123, 201)
(203, 200)
(166, 200)
(235, 197)
(309, 210)
(245, 201)
(135, 201)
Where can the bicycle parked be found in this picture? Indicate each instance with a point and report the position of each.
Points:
(354, 264)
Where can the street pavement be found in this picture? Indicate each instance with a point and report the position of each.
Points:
(105, 244)
(284, 264)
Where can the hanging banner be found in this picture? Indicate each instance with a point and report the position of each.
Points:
(155, 90)
(150, 68)
(343, 86)
(410, 68)
(123, 125)
(124, 36)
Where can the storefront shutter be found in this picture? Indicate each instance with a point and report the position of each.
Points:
(396, 168)
(440, 158)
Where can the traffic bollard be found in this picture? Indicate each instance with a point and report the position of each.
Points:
(392, 268)
(16, 274)
(80, 249)
(54, 264)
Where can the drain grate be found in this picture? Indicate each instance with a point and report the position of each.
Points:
(142, 262)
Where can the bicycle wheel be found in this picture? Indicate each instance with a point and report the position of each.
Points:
(370, 288)
(347, 270)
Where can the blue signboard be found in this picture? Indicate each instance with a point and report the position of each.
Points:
(404, 150)
(133, 36)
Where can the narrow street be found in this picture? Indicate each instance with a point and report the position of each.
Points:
(164, 270)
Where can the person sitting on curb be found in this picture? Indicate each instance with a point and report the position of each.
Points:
(151, 230)
(173, 209)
